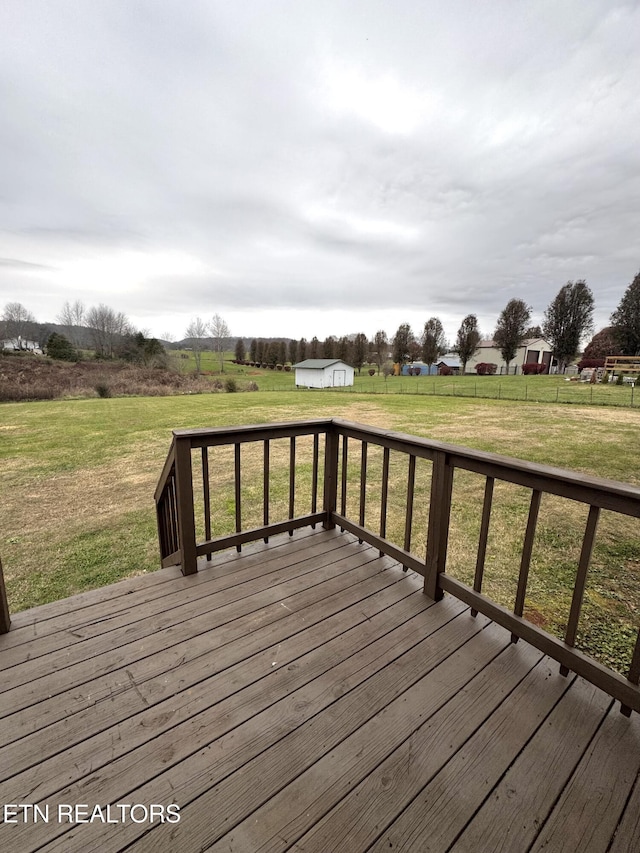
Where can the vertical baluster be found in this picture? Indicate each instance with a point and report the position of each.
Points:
(292, 478)
(527, 550)
(438, 532)
(634, 673)
(185, 510)
(265, 495)
(363, 484)
(408, 521)
(173, 510)
(484, 536)
(5, 619)
(343, 493)
(581, 579)
(206, 496)
(385, 494)
(238, 492)
(314, 476)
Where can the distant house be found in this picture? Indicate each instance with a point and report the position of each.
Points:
(449, 360)
(323, 373)
(20, 344)
(418, 368)
(532, 351)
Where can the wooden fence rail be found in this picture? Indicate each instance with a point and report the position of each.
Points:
(334, 480)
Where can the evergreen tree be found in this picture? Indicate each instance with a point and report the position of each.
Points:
(360, 346)
(59, 347)
(402, 343)
(240, 351)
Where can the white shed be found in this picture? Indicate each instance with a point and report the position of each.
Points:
(323, 373)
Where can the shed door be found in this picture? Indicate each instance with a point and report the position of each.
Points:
(339, 378)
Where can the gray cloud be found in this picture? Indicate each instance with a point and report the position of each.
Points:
(178, 159)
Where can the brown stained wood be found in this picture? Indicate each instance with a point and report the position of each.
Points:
(95, 610)
(343, 475)
(292, 479)
(210, 723)
(237, 480)
(5, 620)
(206, 495)
(581, 579)
(384, 495)
(208, 710)
(587, 814)
(383, 545)
(484, 536)
(525, 561)
(161, 635)
(265, 486)
(314, 474)
(219, 672)
(606, 679)
(511, 817)
(353, 699)
(627, 835)
(233, 540)
(365, 796)
(363, 484)
(184, 500)
(411, 482)
(438, 530)
(330, 496)
(436, 819)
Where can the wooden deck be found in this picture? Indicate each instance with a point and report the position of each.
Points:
(303, 695)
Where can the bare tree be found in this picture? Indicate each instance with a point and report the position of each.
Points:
(467, 340)
(219, 332)
(107, 328)
(380, 349)
(72, 316)
(434, 342)
(567, 319)
(511, 329)
(196, 331)
(18, 322)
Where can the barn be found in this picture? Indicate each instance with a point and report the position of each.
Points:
(323, 373)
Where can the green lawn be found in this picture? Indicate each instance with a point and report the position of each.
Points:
(78, 479)
(543, 389)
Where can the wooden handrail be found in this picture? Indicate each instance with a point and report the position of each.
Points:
(177, 531)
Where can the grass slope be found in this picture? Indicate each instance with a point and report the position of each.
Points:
(78, 479)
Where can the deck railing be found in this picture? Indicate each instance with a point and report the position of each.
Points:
(344, 481)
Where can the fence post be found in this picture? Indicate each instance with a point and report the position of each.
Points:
(330, 476)
(186, 514)
(438, 532)
(5, 620)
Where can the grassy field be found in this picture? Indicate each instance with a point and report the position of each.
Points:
(541, 389)
(78, 479)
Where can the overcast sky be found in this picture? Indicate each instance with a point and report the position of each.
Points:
(317, 167)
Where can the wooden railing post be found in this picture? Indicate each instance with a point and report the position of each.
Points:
(5, 620)
(438, 532)
(186, 513)
(330, 476)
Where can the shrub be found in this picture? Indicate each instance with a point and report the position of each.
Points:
(251, 386)
(620, 379)
(533, 367)
(102, 389)
(372, 371)
(287, 368)
(444, 370)
(230, 386)
(486, 368)
(278, 367)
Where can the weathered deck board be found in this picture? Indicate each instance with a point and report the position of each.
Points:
(305, 695)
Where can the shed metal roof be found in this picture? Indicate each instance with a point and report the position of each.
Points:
(319, 363)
